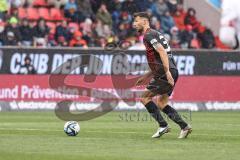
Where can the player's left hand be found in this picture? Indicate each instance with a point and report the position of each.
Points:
(170, 78)
(140, 81)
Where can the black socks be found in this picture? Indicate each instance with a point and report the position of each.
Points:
(155, 113)
(173, 115)
(168, 110)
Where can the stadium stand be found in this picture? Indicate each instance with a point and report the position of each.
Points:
(110, 22)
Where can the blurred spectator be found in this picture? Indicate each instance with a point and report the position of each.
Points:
(157, 25)
(98, 27)
(159, 8)
(3, 8)
(206, 38)
(70, 10)
(26, 33)
(195, 42)
(95, 5)
(116, 6)
(115, 9)
(32, 24)
(130, 6)
(71, 4)
(126, 18)
(16, 3)
(77, 40)
(41, 32)
(138, 44)
(101, 42)
(86, 26)
(103, 30)
(41, 42)
(175, 38)
(112, 39)
(10, 39)
(51, 40)
(167, 22)
(180, 9)
(85, 7)
(57, 3)
(13, 27)
(143, 5)
(28, 3)
(179, 16)
(125, 45)
(122, 31)
(27, 67)
(90, 39)
(190, 19)
(61, 41)
(14, 13)
(62, 31)
(2, 28)
(104, 16)
(172, 5)
(186, 37)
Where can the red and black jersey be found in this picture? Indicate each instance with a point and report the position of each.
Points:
(152, 37)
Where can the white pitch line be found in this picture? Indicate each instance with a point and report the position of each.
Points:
(111, 132)
(29, 129)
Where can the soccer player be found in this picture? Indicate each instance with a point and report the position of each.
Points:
(165, 74)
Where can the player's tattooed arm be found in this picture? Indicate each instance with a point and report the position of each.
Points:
(164, 57)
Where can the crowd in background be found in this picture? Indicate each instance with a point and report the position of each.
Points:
(96, 23)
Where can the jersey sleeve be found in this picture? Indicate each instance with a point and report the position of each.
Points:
(151, 39)
(154, 40)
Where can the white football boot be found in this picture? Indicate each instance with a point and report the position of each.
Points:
(185, 132)
(161, 131)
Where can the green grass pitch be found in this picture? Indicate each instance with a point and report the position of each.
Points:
(115, 136)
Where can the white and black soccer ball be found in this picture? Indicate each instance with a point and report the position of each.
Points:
(71, 128)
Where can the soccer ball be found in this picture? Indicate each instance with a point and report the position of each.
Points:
(71, 128)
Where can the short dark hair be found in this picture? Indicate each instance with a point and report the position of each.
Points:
(142, 14)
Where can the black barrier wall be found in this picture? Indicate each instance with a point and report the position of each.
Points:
(45, 61)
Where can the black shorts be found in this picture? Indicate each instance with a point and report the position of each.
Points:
(159, 84)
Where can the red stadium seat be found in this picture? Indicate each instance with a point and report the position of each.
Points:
(52, 27)
(40, 3)
(74, 25)
(56, 14)
(32, 14)
(44, 13)
(22, 13)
